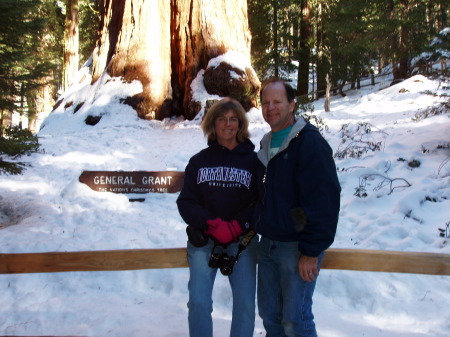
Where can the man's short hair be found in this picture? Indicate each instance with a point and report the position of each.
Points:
(290, 92)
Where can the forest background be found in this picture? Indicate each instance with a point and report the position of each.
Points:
(43, 43)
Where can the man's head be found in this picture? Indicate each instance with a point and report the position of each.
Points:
(278, 103)
(290, 92)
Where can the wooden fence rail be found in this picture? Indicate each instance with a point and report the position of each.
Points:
(135, 259)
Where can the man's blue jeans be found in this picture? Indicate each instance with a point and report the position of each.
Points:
(243, 287)
(284, 299)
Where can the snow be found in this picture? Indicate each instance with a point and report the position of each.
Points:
(47, 209)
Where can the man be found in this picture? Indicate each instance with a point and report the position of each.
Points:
(296, 214)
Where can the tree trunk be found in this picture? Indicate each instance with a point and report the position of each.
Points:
(398, 43)
(323, 65)
(403, 45)
(304, 52)
(276, 57)
(341, 88)
(5, 118)
(202, 30)
(164, 44)
(443, 16)
(40, 102)
(327, 95)
(71, 42)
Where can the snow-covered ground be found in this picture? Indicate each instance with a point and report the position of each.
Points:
(48, 209)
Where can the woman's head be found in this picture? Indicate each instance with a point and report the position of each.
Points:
(219, 113)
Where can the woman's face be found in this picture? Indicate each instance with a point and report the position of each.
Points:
(227, 127)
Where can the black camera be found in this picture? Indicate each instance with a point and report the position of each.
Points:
(223, 261)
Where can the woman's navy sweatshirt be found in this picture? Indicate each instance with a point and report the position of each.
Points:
(219, 182)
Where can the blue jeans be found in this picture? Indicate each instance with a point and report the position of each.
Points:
(243, 287)
(284, 299)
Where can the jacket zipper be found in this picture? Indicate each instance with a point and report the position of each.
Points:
(263, 198)
(264, 182)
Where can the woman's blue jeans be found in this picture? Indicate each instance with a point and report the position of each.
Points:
(284, 299)
(243, 287)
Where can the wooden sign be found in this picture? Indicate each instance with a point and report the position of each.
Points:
(133, 181)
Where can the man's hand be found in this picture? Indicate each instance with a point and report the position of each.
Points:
(307, 268)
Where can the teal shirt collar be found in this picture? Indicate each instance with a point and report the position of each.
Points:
(279, 137)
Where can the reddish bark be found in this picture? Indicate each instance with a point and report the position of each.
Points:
(71, 41)
(164, 44)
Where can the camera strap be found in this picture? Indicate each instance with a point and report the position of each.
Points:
(245, 241)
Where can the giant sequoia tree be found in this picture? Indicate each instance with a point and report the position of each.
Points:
(164, 44)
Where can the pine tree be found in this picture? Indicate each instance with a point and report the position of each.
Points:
(400, 31)
(260, 18)
(349, 43)
(48, 50)
(88, 27)
(21, 65)
(14, 143)
(304, 47)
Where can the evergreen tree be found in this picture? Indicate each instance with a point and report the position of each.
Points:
(322, 56)
(88, 27)
(349, 42)
(22, 66)
(304, 44)
(342, 37)
(260, 18)
(401, 32)
(275, 35)
(14, 143)
(48, 48)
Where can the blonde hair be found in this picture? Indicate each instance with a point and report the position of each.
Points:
(219, 109)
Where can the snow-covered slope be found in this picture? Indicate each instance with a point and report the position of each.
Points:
(48, 209)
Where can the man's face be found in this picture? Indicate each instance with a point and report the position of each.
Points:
(276, 109)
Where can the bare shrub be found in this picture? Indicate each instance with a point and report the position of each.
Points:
(359, 139)
(381, 181)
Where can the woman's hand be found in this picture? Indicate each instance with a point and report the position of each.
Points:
(222, 231)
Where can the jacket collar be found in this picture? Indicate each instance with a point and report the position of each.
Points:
(263, 153)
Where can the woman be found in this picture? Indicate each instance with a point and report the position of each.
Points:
(216, 202)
